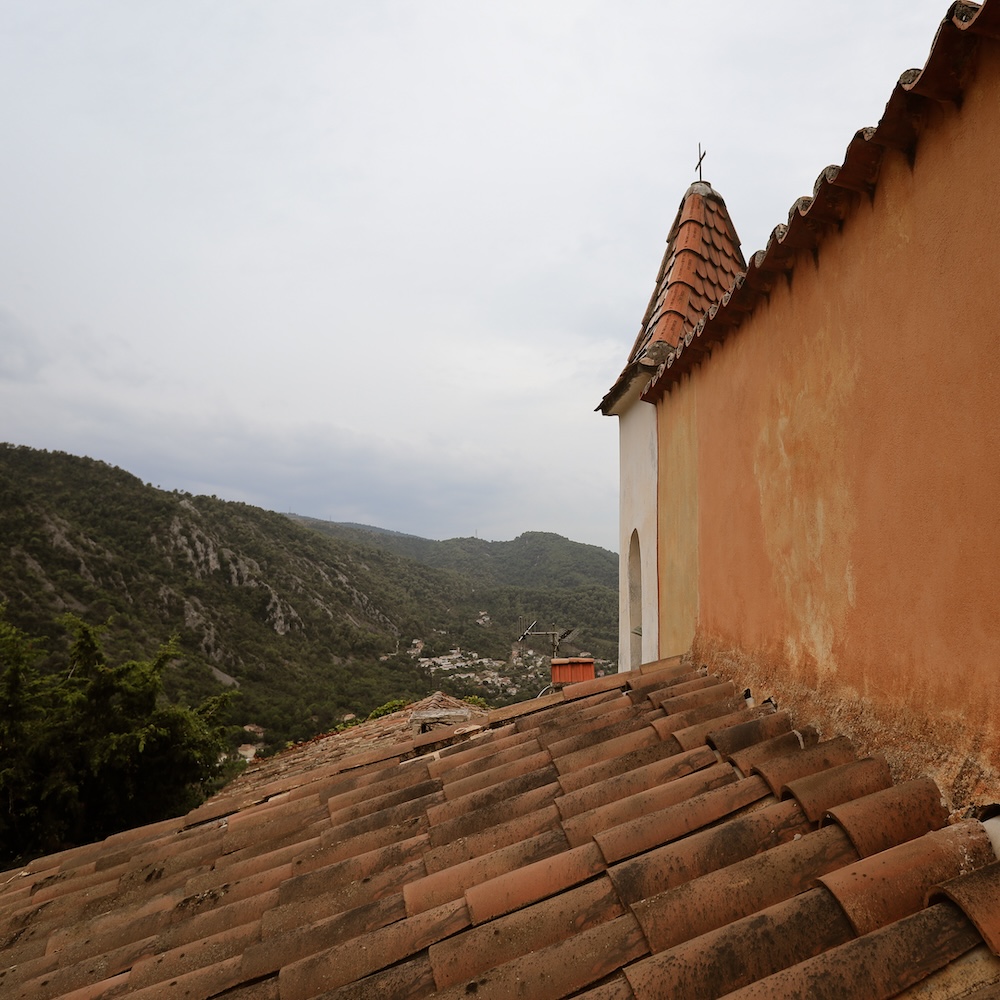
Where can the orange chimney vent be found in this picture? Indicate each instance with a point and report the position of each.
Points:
(569, 669)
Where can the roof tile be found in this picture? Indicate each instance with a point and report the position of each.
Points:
(344, 963)
(779, 771)
(875, 822)
(615, 989)
(450, 771)
(702, 231)
(511, 780)
(705, 694)
(660, 827)
(636, 779)
(514, 712)
(562, 968)
(599, 685)
(477, 749)
(105, 989)
(358, 866)
(494, 770)
(521, 886)
(461, 879)
(942, 79)
(57, 975)
(689, 736)
(720, 897)
(312, 936)
(389, 816)
(721, 711)
(733, 738)
(410, 980)
(205, 981)
(706, 851)
(721, 961)
(335, 848)
(888, 886)
(188, 923)
(653, 749)
(816, 793)
(340, 892)
(779, 746)
(501, 889)
(605, 750)
(182, 959)
(977, 894)
(505, 940)
(556, 715)
(492, 815)
(641, 804)
(881, 964)
(606, 731)
(341, 812)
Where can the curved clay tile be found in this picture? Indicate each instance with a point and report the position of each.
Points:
(977, 895)
(816, 793)
(721, 961)
(752, 733)
(907, 810)
(720, 897)
(893, 884)
(708, 850)
(780, 746)
(879, 965)
(637, 779)
(778, 771)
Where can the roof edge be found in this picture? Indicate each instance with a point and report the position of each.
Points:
(835, 194)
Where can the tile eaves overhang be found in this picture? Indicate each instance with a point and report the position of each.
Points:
(701, 258)
(623, 838)
(838, 189)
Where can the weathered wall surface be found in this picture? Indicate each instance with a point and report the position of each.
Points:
(678, 518)
(637, 482)
(848, 484)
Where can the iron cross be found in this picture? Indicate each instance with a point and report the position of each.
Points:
(701, 156)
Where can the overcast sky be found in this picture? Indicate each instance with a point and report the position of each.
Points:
(378, 261)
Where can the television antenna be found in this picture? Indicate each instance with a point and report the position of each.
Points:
(555, 635)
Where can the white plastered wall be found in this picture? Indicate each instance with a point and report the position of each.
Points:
(637, 452)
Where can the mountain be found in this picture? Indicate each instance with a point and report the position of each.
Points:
(311, 621)
(534, 559)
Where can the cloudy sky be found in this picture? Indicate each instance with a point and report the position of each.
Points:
(378, 260)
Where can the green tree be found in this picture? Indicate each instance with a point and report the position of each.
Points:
(95, 748)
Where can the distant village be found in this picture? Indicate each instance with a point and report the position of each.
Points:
(526, 674)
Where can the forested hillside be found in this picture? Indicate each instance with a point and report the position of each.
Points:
(309, 624)
(534, 559)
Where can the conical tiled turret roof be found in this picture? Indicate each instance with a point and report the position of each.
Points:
(701, 262)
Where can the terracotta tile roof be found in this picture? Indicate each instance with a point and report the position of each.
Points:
(643, 835)
(701, 262)
(836, 191)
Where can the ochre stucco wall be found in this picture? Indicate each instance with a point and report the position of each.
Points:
(677, 509)
(848, 457)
